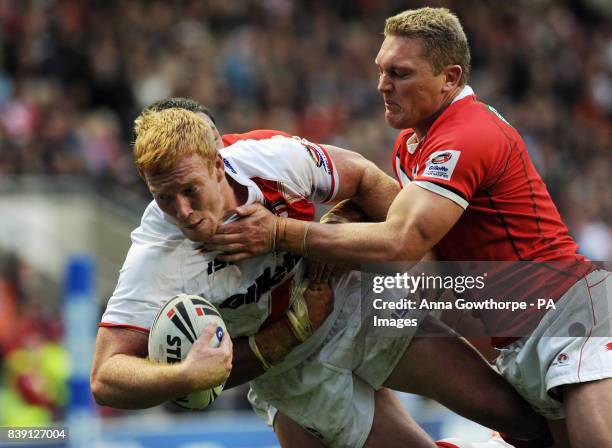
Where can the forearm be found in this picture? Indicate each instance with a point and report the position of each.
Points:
(129, 382)
(274, 342)
(246, 365)
(351, 244)
(343, 212)
(375, 194)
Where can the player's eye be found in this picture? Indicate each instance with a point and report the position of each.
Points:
(399, 74)
(190, 191)
(161, 197)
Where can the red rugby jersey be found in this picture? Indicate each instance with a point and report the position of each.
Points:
(474, 157)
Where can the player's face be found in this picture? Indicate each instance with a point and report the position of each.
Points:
(192, 194)
(411, 91)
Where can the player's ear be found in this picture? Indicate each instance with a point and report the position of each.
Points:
(219, 168)
(452, 77)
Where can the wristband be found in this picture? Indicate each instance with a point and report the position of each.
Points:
(299, 321)
(253, 345)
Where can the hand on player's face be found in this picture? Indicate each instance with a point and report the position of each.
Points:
(248, 237)
(208, 366)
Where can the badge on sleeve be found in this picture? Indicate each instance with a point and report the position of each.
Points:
(441, 164)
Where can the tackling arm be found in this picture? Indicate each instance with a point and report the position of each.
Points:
(416, 221)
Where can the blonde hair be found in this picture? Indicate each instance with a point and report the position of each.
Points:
(165, 136)
(444, 41)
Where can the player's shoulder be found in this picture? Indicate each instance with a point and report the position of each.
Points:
(471, 126)
(156, 227)
(257, 134)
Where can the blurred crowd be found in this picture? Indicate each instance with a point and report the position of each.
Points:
(74, 74)
(34, 366)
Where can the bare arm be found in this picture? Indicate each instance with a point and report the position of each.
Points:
(416, 221)
(122, 377)
(363, 183)
(368, 188)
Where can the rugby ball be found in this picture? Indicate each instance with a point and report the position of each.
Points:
(175, 328)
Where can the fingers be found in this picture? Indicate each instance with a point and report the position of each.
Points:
(208, 334)
(231, 228)
(320, 272)
(245, 210)
(228, 248)
(222, 238)
(234, 257)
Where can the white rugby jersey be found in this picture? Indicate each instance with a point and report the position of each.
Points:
(285, 174)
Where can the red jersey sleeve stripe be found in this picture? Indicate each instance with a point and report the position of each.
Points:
(128, 327)
(333, 176)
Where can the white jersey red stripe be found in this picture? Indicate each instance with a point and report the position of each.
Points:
(280, 172)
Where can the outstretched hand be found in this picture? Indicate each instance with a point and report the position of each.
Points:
(251, 235)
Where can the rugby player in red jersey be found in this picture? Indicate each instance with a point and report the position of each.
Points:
(469, 190)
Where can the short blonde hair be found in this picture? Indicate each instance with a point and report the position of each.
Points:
(444, 41)
(165, 136)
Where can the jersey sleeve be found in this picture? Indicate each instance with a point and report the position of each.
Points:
(304, 169)
(458, 168)
(150, 276)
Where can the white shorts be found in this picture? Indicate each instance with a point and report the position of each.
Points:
(331, 392)
(572, 344)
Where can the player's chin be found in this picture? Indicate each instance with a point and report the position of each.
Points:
(396, 120)
(201, 233)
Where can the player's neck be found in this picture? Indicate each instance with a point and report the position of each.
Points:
(235, 194)
(421, 130)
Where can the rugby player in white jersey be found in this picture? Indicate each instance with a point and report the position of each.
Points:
(332, 383)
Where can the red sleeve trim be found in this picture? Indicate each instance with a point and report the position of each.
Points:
(259, 134)
(333, 178)
(129, 327)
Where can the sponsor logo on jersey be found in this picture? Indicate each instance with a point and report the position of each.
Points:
(229, 166)
(441, 164)
(316, 154)
(441, 158)
(216, 265)
(609, 346)
(561, 360)
(263, 284)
